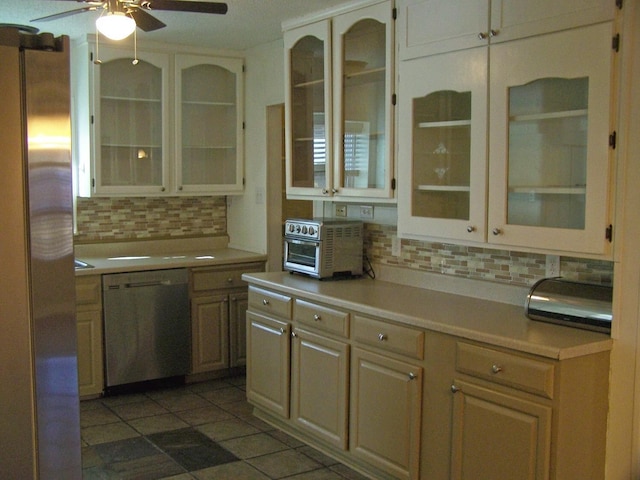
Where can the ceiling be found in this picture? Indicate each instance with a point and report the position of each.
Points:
(247, 23)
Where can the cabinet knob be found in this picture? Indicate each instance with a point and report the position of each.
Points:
(325, 191)
(454, 388)
(180, 188)
(496, 231)
(496, 368)
(265, 301)
(482, 35)
(282, 331)
(294, 334)
(412, 376)
(334, 190)
(493, 33)
(316, 317)
(471, 229)
(382, 337)
(162, 189)
(229, 280)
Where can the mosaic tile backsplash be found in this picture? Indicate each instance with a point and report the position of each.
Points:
(133, 218)
(516, 268)
(113, 219)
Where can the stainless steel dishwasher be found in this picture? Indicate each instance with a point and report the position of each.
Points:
(147, 327)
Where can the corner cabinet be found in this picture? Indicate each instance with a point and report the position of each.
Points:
(163, 123)
(537, 173)
(339, 85)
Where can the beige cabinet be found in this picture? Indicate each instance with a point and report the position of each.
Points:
(429, 27)
(163, 123)
(269, 351)
(496, 413)
(218, 306)
(548, 160)
(90, 335)
(339, 81)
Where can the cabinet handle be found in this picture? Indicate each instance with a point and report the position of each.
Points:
(482, 35)
(471, 229)
(454, 388)
(382, 337)
(229, 280)
(265, 301)
(496, 231)
(316, 317)
(496, 368)
(412, 376)
(493, 33)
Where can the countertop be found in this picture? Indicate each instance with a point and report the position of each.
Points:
(495, 323)
(120, 257)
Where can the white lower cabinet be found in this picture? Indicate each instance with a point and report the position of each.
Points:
(90, 335)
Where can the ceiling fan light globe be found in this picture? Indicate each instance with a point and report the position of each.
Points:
(115, 25)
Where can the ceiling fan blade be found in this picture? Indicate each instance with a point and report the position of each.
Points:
(66, 14)
(189, 6)
(145, 21)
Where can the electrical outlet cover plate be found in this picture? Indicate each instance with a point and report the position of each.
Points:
(366, 212)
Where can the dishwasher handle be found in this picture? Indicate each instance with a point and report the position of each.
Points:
(152, 283)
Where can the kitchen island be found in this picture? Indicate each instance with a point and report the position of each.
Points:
(410, 383)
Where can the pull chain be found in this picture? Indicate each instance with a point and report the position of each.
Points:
(135, 46)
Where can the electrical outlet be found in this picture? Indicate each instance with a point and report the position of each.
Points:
(366, 212)
(552, 266)
(341, 210)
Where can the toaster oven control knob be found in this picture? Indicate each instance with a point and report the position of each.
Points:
(304, 229)
(298, 229)
(291, 228)
(312, 231)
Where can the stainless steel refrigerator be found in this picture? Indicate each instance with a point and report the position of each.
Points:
(39, 405)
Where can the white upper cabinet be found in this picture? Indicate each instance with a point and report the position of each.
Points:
(442, 132)
(427, 27)
(339, 79)
(549, 170)
(131, 123)
(508, 144)
(208, 124)
(164, 122)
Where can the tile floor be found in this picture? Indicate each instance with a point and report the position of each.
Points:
(202, 431)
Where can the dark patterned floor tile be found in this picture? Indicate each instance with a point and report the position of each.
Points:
(192, 449)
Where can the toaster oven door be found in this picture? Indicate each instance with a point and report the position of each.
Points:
(302, 256)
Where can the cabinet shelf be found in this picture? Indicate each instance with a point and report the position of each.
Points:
(445, 124)
(551, 190)
(198, 103)
(131, 99)
(131, 145)
(209, 147)
(531, 117)
(443, 188)
(310, 83)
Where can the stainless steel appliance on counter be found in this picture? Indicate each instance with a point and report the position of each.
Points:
(323, 248)
(147, 326)
(570, 303)
(40, 421)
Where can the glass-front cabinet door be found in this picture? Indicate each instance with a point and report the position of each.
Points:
(208, 124)
(308, 112)
(363, 63)
(549, 167)
(130, 119)
(443, 138)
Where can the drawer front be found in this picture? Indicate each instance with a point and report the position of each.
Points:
(322, 318)
(88, 291)
(388, 336)
(222, 277)
(508, 369)
(270, 302)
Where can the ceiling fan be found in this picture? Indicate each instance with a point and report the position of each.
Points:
(132, 13)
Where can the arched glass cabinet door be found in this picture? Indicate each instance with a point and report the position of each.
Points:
(442, 146)
(363, 112)
(130, 124)
(308, 113)
(208, 124)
